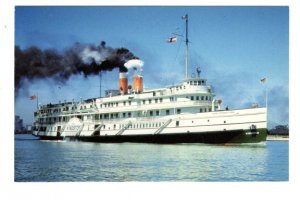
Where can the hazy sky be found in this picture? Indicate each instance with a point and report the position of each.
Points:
(234, 46)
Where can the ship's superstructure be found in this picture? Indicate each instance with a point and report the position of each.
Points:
(187, 112)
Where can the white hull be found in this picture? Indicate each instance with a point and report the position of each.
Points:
(210, 122)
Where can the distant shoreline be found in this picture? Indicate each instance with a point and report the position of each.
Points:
(277, 138)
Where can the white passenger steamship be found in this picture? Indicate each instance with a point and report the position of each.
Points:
(186, 112)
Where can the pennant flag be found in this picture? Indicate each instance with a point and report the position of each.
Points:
(263, 80)
(172, 39)
(33, 97)
(185, 16)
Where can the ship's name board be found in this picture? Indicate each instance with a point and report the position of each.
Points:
(73, 128)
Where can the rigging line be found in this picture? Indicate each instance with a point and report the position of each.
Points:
(178, 50)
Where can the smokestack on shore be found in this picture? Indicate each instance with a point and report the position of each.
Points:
(123, 83)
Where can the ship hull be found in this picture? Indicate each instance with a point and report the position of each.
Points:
(218, 137)
(45, 137)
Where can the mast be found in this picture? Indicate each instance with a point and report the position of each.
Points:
(186, 44)
(100, 80)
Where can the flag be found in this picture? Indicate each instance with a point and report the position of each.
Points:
(184, 17)
(172, 39)
(263, 80)
(33, 97)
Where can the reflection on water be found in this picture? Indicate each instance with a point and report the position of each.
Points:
(79, 161)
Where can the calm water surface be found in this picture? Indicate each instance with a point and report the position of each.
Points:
(80, 161)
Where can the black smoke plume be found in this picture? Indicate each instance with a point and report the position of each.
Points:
(33, 63)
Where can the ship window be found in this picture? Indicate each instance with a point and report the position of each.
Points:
(129, 102)
(129, 114)
(192, 98)
(209, 110)
(149, 101)
(117, 104)
(195, 82)
(202, 98)
(197, 98)
(151, 113)
(224, 122)
(177, 123)
(124, 115)
(144, 101)
(157, 113)
(178, 111)
(154, 94)
(160, 100)
(201, 110)
(124, 103)
(204, 109)
(167, 112)
(156, 100)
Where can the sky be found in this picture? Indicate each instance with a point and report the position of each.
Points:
(234, 47)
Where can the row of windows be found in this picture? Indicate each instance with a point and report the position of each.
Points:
(205, 109)
(125, 103)
(202, 82)
(141, 125)
(198, 98)
(107, 116)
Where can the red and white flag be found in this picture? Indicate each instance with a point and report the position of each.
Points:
(33, 97)
(172, 39)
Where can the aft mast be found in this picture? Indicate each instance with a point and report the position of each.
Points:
(186, 44)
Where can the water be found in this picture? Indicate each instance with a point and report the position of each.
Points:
(80, 161)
